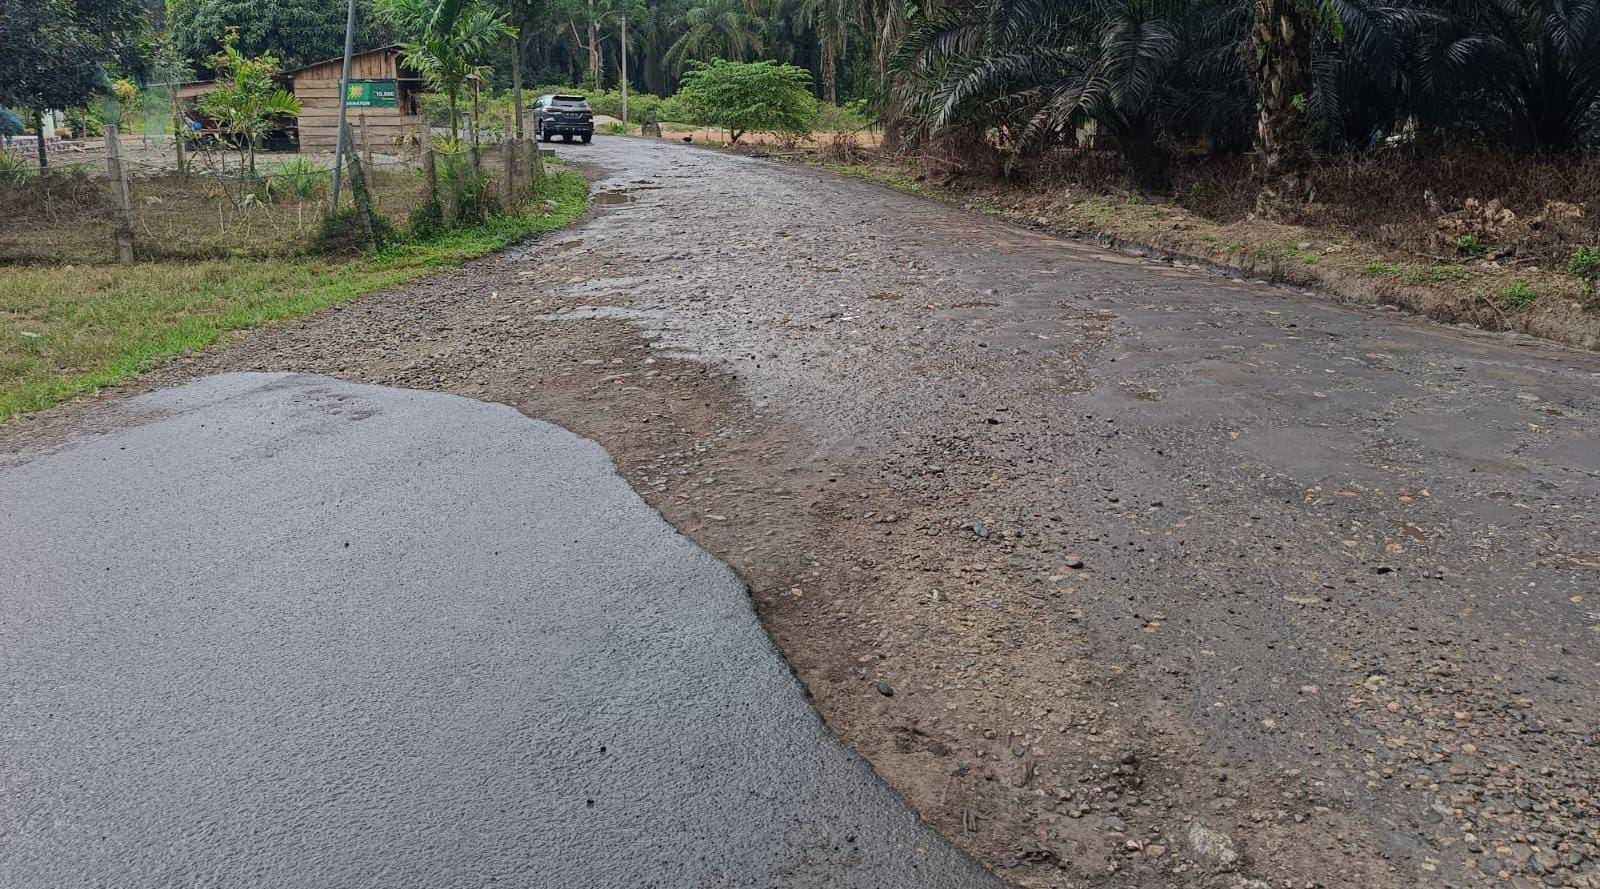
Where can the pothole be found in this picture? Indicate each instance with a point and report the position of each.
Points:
(613, 198)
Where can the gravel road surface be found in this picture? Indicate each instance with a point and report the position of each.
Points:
(282, 631)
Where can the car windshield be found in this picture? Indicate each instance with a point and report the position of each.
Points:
(570, 103)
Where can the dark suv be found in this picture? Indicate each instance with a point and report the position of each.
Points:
(565, 116)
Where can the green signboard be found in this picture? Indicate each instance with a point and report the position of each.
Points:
(374, 94)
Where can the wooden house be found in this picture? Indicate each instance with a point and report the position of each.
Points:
(383, 99)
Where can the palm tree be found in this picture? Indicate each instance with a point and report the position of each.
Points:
(728, 29)
(830, 19)
(1530, 69)
(1280, 41)
(248, 103)
(1144, 71)
(451, 41)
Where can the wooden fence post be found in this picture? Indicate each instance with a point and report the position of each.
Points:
(179, 131)
(121, 200)
(366, 141)
(430, 173)
(508, 155)
(358, 191)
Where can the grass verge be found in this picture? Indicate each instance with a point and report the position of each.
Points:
(66, 331)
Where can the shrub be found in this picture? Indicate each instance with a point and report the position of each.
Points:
(426, 220)
(300, 176)
(834, 119)
(1518, 296)
(1469, 245)
(15, 168)
(743, 97)
(342, 233)
(1585, 265)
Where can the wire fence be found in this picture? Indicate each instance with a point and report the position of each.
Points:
(226, 202)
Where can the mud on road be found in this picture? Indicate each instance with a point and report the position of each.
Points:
(1123, 574)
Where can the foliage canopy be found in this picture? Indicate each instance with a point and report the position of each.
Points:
(743, 97)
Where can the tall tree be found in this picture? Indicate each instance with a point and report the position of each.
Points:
(830, 20)
(296, 32)
(1280, 38)
(55, 52)
(712, 29)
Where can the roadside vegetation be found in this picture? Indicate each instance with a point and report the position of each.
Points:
(70, 331)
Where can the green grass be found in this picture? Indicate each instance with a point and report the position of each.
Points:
(67, 332)
(1413, 273)
(887, 180)
(1518, 296)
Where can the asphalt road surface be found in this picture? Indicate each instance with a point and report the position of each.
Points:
(268, 630)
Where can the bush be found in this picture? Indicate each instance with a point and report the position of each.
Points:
(15, 168)
(1585, 264)
(743, 97)
(426, 220)
(300, 176)
(1518, 296)
(10, 123)
(834, 119)
(342, 233)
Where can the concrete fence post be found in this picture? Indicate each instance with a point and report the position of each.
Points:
(121, 198)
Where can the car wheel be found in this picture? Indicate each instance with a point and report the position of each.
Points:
(587, 137)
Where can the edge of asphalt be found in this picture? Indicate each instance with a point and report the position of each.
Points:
(272, 422)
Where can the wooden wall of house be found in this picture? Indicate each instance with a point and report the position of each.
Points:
(317, 87)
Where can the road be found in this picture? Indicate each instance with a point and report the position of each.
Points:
(1122, 573)
(1335, 543)
(273, 630)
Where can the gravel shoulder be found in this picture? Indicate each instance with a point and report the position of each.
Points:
(1123, 574)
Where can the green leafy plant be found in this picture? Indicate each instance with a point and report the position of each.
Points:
(1518, 296)
(1585, 265)
(14, 168)
(448, 42)
(249, 103)
(300, 176)
(765, 97)
(1469, 245)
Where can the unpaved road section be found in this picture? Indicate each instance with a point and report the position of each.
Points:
(1123, 574)
(285, 631)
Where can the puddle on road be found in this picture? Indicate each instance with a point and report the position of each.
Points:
(615, 198)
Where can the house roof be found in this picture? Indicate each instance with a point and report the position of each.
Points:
(395, 47)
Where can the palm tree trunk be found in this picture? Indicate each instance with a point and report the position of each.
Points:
(455, 116)
(830, 73)
(1281, 39)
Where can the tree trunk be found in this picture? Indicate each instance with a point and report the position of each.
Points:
(1148, 160)
(1281, 39)
(455, 118)
(38, 126)
(830, 73)
(517, 48)
(595, 73)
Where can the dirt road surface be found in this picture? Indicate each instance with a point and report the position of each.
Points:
(1123, 574)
